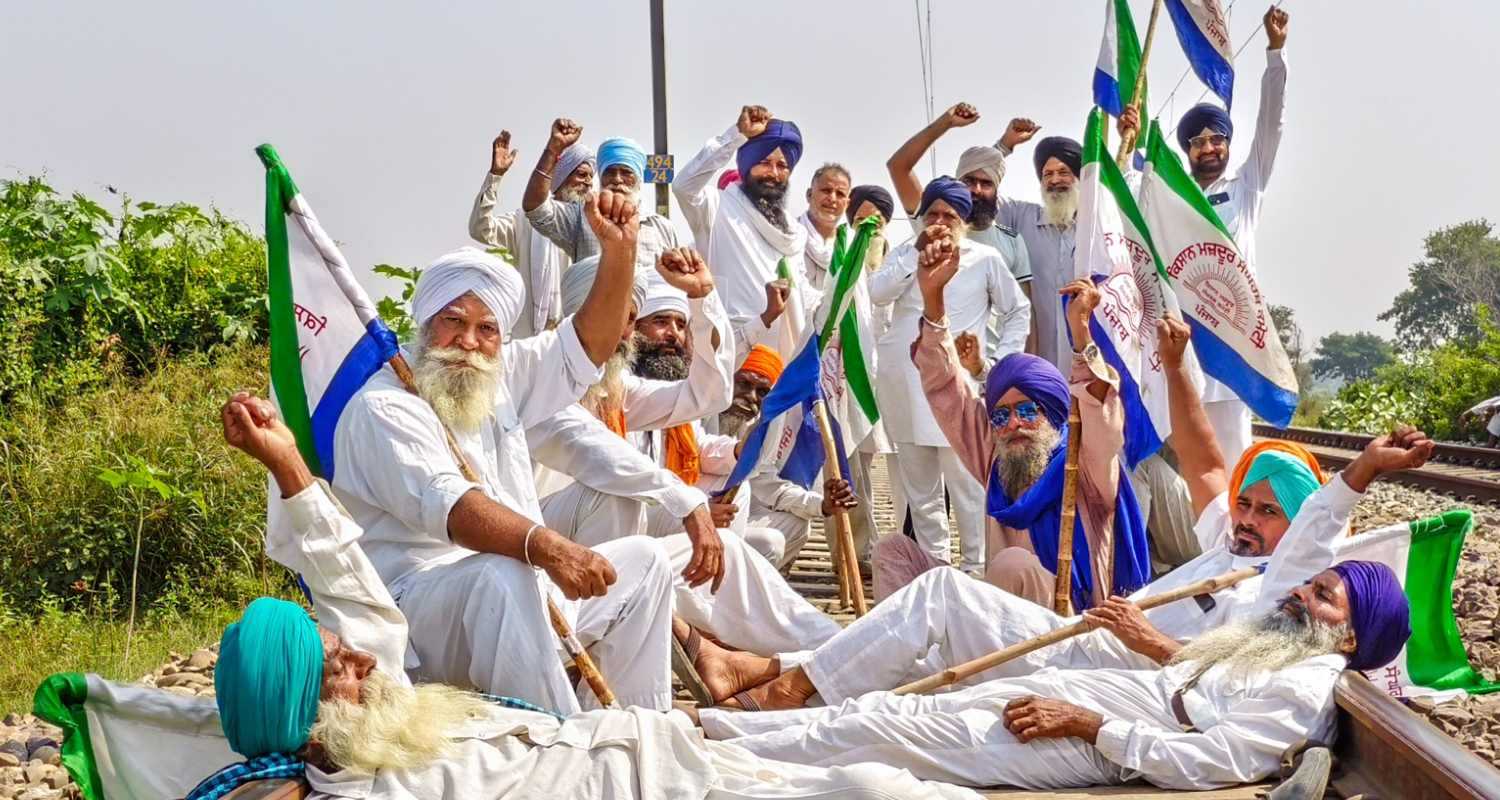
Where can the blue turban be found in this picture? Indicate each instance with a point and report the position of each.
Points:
(1066, 150)
(1291, 481)
(779, 133)
(1038, 510)
(1378, 612)
(268, 678)
(1203, 115)
(622, 151)
(950, 191)
(572, 158)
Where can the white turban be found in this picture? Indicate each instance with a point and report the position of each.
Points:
(469, 269)
(981, 159)
(662, 296)
(579, 279)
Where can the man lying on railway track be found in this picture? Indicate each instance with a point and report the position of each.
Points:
(1220, 712)
(1279, 518)
(331, 700)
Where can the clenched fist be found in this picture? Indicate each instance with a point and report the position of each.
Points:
(564, 133)
(683, 268)
(753, 121)
(613, 217)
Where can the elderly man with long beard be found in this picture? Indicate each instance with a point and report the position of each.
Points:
(539, 261)
(750, 236)
(983, 287)
(1220, 711)
(470, 562)
(621, 168)
(330, 701)
(1269, 512)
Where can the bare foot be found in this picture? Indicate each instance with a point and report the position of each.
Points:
(726, 672)
(789, 690)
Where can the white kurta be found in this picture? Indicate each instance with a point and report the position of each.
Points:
(1243, 725)
(982, 287)
(943, 618)
(539, 261)
(565, 225)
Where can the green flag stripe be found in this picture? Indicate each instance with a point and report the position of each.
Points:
(286, 356)
(1169, 169)
(855, 369)
(1435, 654)
(60, 700)
(1128, 48)
(1114, 181)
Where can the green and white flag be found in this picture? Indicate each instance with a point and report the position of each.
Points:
(847, 382)
(1424, 555)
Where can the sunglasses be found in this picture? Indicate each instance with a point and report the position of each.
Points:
(1027, 410)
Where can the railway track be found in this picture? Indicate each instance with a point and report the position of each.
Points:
(1459, 471)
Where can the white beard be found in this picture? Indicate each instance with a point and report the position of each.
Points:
(1021, 465)
(394, 726)
(1060, 208)
(1273, 642)
(609, 392)
(461, 385)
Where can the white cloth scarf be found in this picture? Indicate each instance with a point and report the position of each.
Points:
(744, 249)
(818, 252)
(545, 265)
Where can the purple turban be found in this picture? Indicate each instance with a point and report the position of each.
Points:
(1203, 115)
(1036, 377)
(950, 191)
(1378, 612)
(779, 133)
(1061, 148)
(876, 196)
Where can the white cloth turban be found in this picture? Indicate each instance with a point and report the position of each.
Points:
(984, 159)
(662, 296)
(578, 279)
(469, 269)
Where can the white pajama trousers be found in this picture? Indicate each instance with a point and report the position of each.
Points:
(482, 622)
(793, 530)
(754, 610)
(958, 737)
(924, 473)
(940, 620)
(769, 542)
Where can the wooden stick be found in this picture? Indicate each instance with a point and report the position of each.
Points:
(581, 658)
(969, 669)
(1127, 142)
(1062, 592)
(847, 563)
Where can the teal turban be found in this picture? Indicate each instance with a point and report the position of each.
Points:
(1291, 481)
(268, 678)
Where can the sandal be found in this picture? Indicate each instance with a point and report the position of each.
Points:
(684, 666)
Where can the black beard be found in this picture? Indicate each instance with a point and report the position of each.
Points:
(1204, 172)
(769, 197)
(984, 213)
(661, 362)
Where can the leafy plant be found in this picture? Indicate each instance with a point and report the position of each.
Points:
(392, 311)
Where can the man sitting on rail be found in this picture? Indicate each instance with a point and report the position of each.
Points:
(331, 701)
(1220, 712)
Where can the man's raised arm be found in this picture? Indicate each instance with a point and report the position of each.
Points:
(602, 317)
(903, 163)
(1200, 460)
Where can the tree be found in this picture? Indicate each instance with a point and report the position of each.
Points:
(1351, 356)
(1291, 341)
(1460, 273)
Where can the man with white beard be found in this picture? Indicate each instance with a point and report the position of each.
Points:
(983, 287)
(461, 557)
(537, 259)
(750, 236)
(1220, 712)
(827, 200)
(330, 701)
(621, 168)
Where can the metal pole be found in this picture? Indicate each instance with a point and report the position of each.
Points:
(659, 96)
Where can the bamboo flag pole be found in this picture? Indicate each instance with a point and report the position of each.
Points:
(969, 669)
(581, 658)
(1127, 142)
(1062, 591)
(847, 564)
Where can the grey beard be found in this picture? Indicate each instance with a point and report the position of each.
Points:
(1274, 641)
(394, 726)
(609, 392)
(657, 363)
(463, 399)
(1020, 466)
(1060, 208)
(733, 422)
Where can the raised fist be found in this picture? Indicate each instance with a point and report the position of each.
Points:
(685, 269)
(753, 121)
(613, 218)
(564, 133)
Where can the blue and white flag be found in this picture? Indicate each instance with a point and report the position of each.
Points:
(1119, 59)
(1203, 30)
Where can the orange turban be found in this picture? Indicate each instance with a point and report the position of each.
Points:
(764, 361)
(1297, 451)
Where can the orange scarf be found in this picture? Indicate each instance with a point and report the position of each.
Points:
(614, 419)
(682, 453)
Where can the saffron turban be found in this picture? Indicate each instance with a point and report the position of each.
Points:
(268, 679)
(1061, 148)
(950, 191)
(662, 296)
(1203, 115)
(1378, 612)
(617, 151)
(728, 178)
(1291, 470)
(1036, 378)
(875, 196)
(469, 269)
(572, 158)
(779, 134)
(765, 362)
(578, 279)
(984, 159)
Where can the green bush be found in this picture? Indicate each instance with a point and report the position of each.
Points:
(79, 480)
(87, 292)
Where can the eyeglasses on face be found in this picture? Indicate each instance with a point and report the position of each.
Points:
(1215, 139)
(1027, 410)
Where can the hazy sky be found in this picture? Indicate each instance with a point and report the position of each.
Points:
(384, 111)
